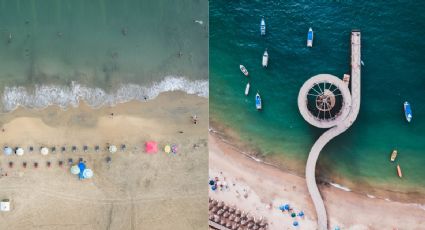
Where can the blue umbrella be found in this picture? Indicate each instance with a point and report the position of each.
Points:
(214, 187)
(212, 182)
(301, 214)
(7, 151)
(82, 166)
(286, 206)
(282, 208)
(337, 228)
(295, 223)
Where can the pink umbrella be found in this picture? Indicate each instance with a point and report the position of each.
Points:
(151, 147)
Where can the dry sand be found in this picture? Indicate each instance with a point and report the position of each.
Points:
(266, 185)
(134, 191)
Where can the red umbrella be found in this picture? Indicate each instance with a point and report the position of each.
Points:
(151, 147)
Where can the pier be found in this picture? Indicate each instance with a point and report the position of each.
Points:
(338, 121)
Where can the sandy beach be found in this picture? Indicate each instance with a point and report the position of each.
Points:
(134, 191)
(266, 188)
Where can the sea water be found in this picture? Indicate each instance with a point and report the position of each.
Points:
(393, 51)
(102, 51)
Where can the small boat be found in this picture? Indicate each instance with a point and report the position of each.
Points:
(407, 111)
(310, 38)
(247, 89)
(399, 171)
(258, 101)
(393, 155)
(346, 79)
(263, 27)
(243, 69)
(265, 58)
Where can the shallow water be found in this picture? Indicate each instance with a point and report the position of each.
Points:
(59, 47)
(392, 51)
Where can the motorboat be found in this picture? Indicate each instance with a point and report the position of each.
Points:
(265, 58)
(263, 27)
(243, 69)
(399, 171)
(258, 102)
(247, 89)
(393, 155)
(407, 111)
(310, 38)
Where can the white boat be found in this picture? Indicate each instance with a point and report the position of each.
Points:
(407, 111)
(243, 69)
(265, 58)
(310, 38)
(263, 27)
(258, 101)
(247, 89)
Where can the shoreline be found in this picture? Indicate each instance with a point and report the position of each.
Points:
(68, 96)
(248, 170)
(230, 137)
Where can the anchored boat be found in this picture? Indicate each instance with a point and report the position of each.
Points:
(407, 111)
(247, 89)
(393, 155)
(243, 69)
(310, 38)
(263, 27)
(265, 58)
(258, 101)
(399, 171)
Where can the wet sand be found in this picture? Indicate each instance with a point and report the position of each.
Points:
(135, 191)
(265, 185)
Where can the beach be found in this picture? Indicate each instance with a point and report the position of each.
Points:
(268, 187)
(134, 190)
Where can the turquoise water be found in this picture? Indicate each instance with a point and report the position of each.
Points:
(103, 51)
(392, 50)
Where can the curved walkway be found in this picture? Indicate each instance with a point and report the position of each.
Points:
(334, 131)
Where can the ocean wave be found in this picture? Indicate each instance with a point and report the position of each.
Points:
(340, 187)
(65, 96)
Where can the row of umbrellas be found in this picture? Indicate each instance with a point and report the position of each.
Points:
(233, 218)
(286, 207)
(20, 151)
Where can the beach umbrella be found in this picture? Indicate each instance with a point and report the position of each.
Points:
(88, 173)
(301, 214)
(167, 149)
(293, 214)
(214, 187)
(286, 207)
(44, 151)
(75, 169)
(112, 148)
(151, 147)
(174, 149)
(7, 151)
(211, 182)
(295, 223)
(19, 151)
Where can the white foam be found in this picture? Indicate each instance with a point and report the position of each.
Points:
(371, 196)
(65, 96)
(340, 187)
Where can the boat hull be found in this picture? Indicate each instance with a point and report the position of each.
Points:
(244, 70)
(258, 104)
(408, 111)
(310, 38)
(399, 173)
(263, 27)
(265, 61)
(247, 89)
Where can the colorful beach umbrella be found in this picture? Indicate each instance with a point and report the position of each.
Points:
(301, 214)
(282, 208)
(87, 173)
(44, 151)
(212, 182)
(75, 169)
(295, 223)
(19, 151)
(167, 149)
(174, 149)
(7, 151)
(112, 148)
(286, 206)
(293, 214)
(151, 147)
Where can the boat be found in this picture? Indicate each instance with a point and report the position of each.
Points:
(243, 69)
(346, 79)
(310, 38)
(263, 27)
(258, 101)
(399, 171)
(407, 111)
(247, 89)
(265, 58)
(393, 155)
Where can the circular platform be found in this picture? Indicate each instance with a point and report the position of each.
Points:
(324, 100)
